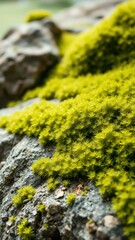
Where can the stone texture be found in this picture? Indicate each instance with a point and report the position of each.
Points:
(22, 105)
(83, 15)
(25, 54)
(59, 193)
(90, 217)
(110, 221)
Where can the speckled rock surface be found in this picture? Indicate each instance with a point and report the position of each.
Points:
(83, 15)
(26, 53)
(10, 110)
(90, 217)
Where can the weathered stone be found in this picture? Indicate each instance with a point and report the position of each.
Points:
(25, 54)
(83, 15)
(91, 227)
(10, 110)
(53, 208)
(101, 234)
(59, 193)
(110, 221)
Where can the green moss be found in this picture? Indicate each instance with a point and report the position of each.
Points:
(52, 184)
(93, 133)
(71, 199)
(118, 186)
(93, 127)
(46, 226)
(25, 230)
(24, 193)
(65, 41)
(12, 219)
(41, 208)
(90, 221)
(36, 15)
(104, 46)
(13, 103)
(118, 81)
(66, 183)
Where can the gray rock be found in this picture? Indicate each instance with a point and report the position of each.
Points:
(110, 221)
(10, 110)
(7, 142)
(101, 234)
(59, 193)
(25, 54)
(53, 207)
(82, 16)
(91, 227)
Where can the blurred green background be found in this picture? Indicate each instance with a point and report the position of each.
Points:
(13, 12)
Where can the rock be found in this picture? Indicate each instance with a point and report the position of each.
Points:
(83, 15)
(10, 110)
(54, 208)
(101, 234)
(91, 227)
(25, 54)
(59, 193)
(110, 221)
(79, 189)
(7, 142)
(2, 164)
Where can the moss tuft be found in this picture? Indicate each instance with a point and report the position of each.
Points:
(25, 230)
(71, 199)
(24, 193)
(36, 15)
(12, 219)
(41, 208)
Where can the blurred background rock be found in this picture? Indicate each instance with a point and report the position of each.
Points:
(13, 12)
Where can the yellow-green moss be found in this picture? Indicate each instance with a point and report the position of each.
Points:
(104, 46)
(41, 208)
(12, 219)
(52, 183)
(24, 193)
(93, 129)
(93, 133)
(25, 230)
(36, 15)
(71, 199)
(65, 41)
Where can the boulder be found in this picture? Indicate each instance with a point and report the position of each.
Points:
(83, 15)
(26, 52)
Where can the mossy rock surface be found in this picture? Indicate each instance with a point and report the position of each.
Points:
(105, 46)
(93, 127)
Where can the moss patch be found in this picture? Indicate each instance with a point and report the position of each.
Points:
(25, 193)
(93, 127)
(36, 15)
(25, 230)
(104, 46)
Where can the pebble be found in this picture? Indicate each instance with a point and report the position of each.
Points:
(91, 227)
(110, 221)
(101, 234)
(59, 194)
(53, 208)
